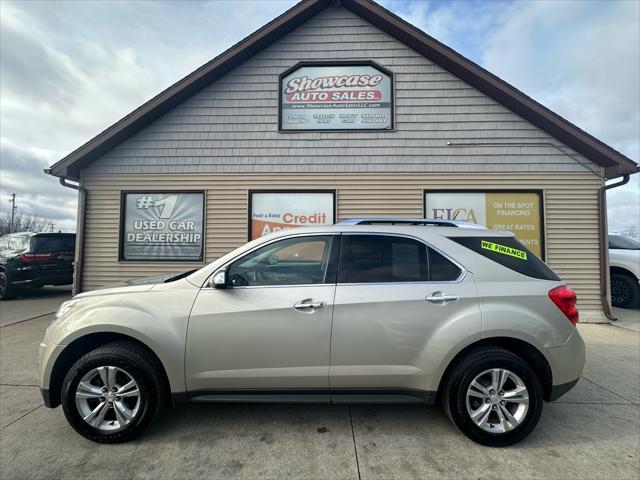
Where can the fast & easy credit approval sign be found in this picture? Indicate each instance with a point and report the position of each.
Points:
(513, 211)
(273, 211)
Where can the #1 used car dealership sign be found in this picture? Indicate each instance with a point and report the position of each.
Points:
(162, 226)
(336, 97)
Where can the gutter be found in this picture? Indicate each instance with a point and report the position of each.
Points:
(604, 247)
(79, 260)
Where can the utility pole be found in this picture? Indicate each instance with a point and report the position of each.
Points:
(13, 211)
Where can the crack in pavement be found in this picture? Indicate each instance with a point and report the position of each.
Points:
(355, 449)
(22, 416)
(610, 391)
(27, 319)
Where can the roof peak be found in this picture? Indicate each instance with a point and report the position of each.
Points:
(613, 162)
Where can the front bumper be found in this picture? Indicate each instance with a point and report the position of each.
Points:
(48, 353)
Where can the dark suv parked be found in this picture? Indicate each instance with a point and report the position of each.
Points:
(31, 260)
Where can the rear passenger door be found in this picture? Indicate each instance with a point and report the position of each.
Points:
(395, 296)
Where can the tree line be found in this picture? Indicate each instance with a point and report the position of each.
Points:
(24, 223)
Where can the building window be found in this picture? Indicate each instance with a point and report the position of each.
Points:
(271, 210)
(517, 211)
(162, 225)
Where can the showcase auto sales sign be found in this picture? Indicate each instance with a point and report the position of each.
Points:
(336, 97)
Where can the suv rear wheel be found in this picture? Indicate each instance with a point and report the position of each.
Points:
(625, 290)
(112, 394)
(493, 397)
(7, 291)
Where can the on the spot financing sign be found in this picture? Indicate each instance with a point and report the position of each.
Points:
(517, 212)
(273, 211)
(336, 97)
(162, 226)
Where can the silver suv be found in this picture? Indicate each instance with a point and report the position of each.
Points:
(365, 311)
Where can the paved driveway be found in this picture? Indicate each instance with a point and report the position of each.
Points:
(592, 432)
(33, 303)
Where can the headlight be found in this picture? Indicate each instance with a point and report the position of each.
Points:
(65, 308)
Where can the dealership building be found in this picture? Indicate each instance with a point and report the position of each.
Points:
(338, 109)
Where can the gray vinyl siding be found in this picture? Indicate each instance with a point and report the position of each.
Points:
(232, 125)
(570, 214)
(225, 139)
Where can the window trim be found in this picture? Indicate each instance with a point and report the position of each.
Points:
(459, 279)
(334, 256)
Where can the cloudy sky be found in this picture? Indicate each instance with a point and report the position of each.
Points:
(71, 69)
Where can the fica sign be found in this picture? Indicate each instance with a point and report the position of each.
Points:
(336, 97)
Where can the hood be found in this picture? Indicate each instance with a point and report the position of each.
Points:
(624, 253)
(116, 290)
(135, 285)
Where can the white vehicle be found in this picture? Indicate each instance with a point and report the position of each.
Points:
(624, 267)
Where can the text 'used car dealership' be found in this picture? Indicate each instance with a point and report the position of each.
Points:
(337, 110)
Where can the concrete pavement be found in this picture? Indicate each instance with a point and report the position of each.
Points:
(592, 432)
(628, 318)
(33, 303)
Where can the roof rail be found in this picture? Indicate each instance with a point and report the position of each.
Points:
(410, 221)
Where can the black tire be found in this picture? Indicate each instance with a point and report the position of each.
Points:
(454, 395)
(625, 291)
(141, 366)
(7, 290)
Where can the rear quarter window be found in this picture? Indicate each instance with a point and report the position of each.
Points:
(510, 253)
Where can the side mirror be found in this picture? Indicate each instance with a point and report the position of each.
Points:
(219, 279)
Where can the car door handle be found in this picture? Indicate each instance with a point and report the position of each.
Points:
(441, 297)
(309, 306)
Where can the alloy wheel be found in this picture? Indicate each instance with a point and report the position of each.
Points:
(497, 400)
(108, 398)
(619, 292)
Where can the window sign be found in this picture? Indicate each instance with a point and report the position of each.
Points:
(519, 212)
(162, 226)
(336, 97)
(273, 211)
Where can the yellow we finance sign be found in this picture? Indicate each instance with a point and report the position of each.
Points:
(517, 212)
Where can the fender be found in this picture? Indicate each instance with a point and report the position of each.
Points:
(136, 315)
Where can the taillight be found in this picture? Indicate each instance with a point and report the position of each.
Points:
(33, 258)
(565, 299)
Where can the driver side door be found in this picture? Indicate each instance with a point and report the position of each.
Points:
(267, 335)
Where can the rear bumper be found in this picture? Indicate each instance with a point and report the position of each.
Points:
(566, 362)
(558, 390)
(46, 397)
(40, 280)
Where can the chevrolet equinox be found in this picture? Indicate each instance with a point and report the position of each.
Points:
(366, 311)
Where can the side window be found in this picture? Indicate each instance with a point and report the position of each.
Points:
(380, 258)
(293, 261)
(441, 269)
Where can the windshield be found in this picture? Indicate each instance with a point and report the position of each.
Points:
(620, 242)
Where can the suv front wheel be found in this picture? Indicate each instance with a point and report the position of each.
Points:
(112, 393)
(493, 397)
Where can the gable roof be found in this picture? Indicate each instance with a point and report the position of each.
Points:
(614, 162)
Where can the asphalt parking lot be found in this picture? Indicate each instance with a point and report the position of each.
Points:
(592, 432)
